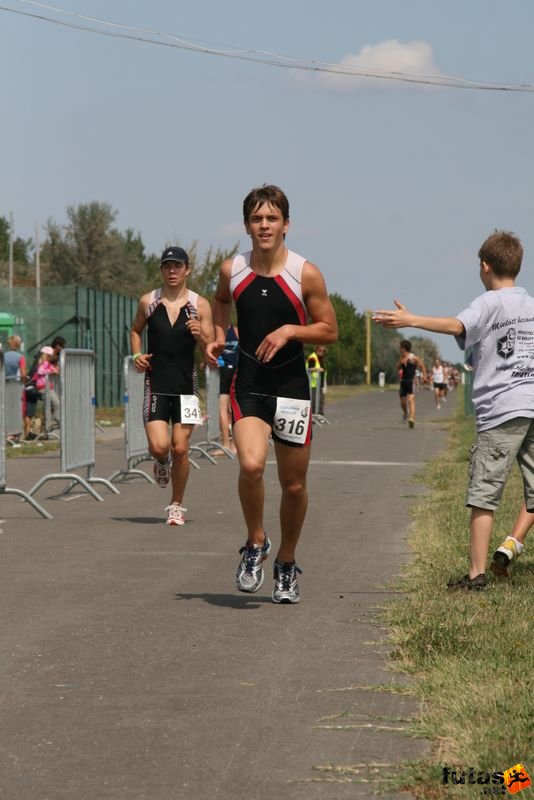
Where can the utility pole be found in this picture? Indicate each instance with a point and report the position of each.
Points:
(10, 274)
(37, 264)
(38, 281)
(368, 347)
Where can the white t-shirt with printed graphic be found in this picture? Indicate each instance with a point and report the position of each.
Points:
(499, 327)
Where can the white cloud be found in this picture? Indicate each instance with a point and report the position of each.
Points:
(391, 56)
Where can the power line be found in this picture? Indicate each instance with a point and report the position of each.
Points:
(145, 35)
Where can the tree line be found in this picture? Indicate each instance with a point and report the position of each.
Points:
(90, 251)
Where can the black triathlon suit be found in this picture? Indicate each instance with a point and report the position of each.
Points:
(263, 305)
(172, 366)
(407, 378)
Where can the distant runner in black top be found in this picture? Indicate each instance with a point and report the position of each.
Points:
(408, 365)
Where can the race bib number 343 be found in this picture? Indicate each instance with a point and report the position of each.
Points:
(190, 410)
(292, 419)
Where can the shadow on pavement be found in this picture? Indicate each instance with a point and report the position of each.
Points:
(140, 520)
(225, 600)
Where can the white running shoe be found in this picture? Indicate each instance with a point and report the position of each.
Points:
(176, 514)
(162, 473)
(286, 588)
(249, 575)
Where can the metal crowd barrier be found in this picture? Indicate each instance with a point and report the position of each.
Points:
(212, 423)
(77, 423)
(135, 441)
(14, 424)
(3, 432)
(315, 394)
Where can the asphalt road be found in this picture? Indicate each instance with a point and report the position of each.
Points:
(132, 669)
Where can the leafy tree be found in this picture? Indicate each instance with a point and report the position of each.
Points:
(426, 349)
(90, 252)
(205, 273)
(346, 357)
(384, 353)
(21, 247)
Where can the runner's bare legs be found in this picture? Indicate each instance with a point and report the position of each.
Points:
(181, 436)
(292, 467)
(251, 437)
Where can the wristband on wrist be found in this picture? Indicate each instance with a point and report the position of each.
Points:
(136, 356)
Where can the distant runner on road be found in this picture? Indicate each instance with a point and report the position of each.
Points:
(408, 365)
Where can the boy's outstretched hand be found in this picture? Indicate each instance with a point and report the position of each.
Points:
(401, 318)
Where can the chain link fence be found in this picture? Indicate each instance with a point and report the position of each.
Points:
(86, 318)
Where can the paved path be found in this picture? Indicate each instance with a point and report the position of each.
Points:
(133, 669)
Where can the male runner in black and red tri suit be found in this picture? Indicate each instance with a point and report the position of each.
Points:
(176, 319)
(275, 292)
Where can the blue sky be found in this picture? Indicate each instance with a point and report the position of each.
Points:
(392, 187)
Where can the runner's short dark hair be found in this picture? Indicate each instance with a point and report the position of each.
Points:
(266, 194)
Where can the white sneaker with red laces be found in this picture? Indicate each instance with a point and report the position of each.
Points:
(176, 514)
(162, 473)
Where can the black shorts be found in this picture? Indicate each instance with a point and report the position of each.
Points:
(263, 406)
(226, 375)
(164, 407)
(406, 388)
(440, 386)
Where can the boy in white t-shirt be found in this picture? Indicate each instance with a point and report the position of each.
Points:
(499, 328)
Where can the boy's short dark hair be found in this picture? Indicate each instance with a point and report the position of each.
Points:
(59, 340)
(503, 252)
(266, 194)
(406, 345)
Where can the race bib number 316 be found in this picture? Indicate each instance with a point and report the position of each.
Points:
(292, 419)
(190, 410)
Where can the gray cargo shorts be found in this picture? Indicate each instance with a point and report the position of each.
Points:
(492, 458)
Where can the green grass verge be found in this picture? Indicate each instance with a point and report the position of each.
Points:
(471, 654)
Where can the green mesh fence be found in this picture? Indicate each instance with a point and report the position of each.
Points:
(86, 318)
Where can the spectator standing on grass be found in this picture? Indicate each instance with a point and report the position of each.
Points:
(176, 319)
(275, 292)
(499, 327)
(15, 370)
(14, 360)
(35, 386)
